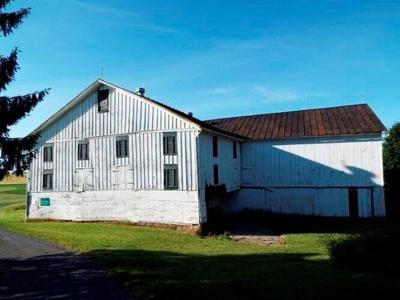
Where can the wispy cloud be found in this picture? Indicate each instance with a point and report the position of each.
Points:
(214, 91)
(276, 95)
(222, 90)
(123, 17)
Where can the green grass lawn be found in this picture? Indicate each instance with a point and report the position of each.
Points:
(163, 263)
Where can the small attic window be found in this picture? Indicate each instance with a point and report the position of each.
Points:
(102, 100)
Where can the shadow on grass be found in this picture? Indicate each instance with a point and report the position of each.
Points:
(286, 224)
(63, 276)
(168, 275)
(373, 252)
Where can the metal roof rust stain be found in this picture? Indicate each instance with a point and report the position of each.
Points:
(332, 121)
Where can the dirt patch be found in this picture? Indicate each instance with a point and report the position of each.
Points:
(191, 229)
(258, 236)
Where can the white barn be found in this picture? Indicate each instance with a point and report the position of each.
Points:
(112, 154)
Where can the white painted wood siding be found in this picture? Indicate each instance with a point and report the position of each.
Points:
(228, 167)
(349, 161)
(128, 113)
(311, 176)
(144, 124)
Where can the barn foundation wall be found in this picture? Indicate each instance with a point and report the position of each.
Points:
(168, 207)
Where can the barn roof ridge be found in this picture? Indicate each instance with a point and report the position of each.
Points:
(330, 121)
(284, 112)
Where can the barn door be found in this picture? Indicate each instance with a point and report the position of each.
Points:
(123, 178)
(83, 180)
(353, 203)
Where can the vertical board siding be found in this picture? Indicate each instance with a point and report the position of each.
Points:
(130, 115)
(127, 113)
(229, 169)
(311, 176)
(313, 162)
(145, 156)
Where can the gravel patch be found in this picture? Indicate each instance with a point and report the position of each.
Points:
(258, 236)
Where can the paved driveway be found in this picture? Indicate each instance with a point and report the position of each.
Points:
(34, 269)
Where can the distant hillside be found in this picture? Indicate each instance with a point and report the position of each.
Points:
(12, 179)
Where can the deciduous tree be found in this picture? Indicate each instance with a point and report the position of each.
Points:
(391, 160)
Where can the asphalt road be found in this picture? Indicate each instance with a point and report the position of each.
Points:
(35, 269)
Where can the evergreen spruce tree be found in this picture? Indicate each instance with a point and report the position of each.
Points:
(15, 153)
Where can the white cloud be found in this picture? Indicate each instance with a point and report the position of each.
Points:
(276, 95)
(222, 90)
(122, 16)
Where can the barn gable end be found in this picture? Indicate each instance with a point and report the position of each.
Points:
(83, 188)
(128, 113)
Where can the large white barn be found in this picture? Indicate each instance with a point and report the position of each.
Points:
(112, 154)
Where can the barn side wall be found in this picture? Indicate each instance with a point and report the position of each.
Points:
(145, 161)
(105, 187)
(311, 176)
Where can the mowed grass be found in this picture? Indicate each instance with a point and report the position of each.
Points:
(166, 264)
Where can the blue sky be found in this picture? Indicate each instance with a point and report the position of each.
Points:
(213, 58)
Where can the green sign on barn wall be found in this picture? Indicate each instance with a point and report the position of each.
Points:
(44, 201)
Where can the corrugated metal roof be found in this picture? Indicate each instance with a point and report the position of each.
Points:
(341, 120)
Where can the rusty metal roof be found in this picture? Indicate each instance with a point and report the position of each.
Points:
(341, 120)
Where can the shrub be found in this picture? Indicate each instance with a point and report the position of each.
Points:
(376, 252)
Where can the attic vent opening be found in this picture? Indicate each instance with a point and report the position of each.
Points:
(102, 100)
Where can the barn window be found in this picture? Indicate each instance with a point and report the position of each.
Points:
(47, 179)
(83, 150)
(169, 143)
(122, 146)
(216, 174)
(102, 100)
(171, 177)
(234, 150)
(48, 153)
(215, 146)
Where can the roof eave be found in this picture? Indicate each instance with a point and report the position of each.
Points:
(320, 136)
(225, 134)
(67, 106)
